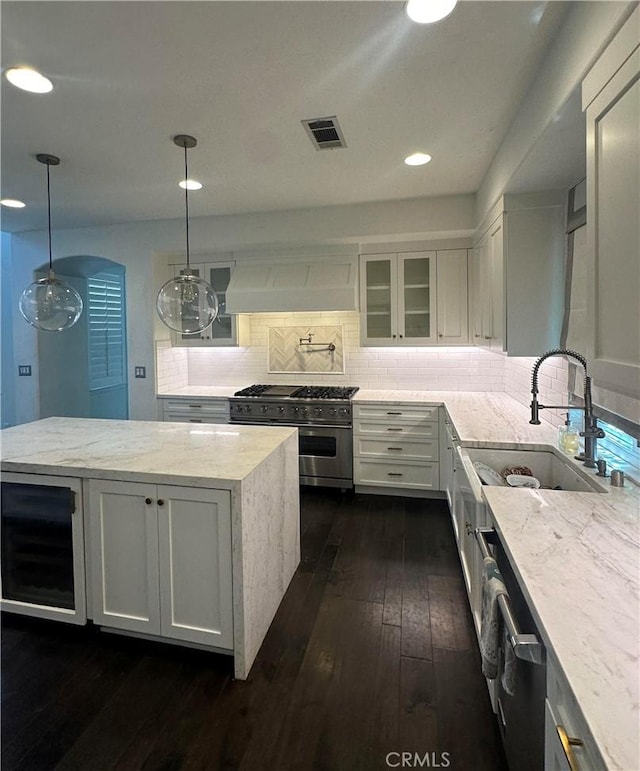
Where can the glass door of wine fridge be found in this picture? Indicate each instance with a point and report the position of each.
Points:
(42, 547)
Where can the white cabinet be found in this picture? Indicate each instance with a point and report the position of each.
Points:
(161, 561)
(569, 745)
(517, 275)
(611, 97)
(396, 446)
(227, 329)
(448, 443)
(414, 298)
(452, 299)
(201, 410)
(488, 293)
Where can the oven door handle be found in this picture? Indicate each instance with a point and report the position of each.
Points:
(525, 646)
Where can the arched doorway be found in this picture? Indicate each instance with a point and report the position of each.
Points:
(83, 370)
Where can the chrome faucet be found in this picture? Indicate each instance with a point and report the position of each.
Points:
(591, 432)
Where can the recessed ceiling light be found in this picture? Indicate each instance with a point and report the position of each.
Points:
(190, 184)
(28, 79)
(417, 159)
(428, 11)
(12, 203)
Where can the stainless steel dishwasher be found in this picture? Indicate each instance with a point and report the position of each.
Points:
(521, 713)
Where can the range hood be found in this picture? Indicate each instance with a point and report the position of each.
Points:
(321, 285)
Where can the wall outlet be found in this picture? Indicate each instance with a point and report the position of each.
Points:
(140, 371)
(24, 370)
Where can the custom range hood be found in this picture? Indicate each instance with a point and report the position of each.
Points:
(311, 285)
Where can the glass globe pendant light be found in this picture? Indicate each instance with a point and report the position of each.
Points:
(49, 304)
(187, 303)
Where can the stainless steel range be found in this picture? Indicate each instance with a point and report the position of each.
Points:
(322, 415)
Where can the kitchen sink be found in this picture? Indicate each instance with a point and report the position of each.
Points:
(551, 469)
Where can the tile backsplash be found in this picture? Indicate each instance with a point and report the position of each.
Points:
(403, 368)
(309, 349)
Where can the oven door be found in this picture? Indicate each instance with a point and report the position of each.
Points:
(326, 455)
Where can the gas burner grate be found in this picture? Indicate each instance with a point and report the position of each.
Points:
(325, 392)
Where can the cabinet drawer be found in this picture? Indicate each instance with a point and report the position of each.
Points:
(417, 476)
(185, 417)
(396, 428)
(394, 448)
(562, 712)
(195, 407)
(414, 412)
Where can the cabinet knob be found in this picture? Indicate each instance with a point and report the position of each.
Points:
(401, 336)
(393, 336)
(160, 502)
(440, 335)
(148, 501)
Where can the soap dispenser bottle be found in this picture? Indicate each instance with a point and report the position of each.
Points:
(569, 437)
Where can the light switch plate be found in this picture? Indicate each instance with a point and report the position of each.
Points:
(140, 371)
(24, 370)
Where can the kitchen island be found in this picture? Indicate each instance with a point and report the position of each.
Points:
(252, 474)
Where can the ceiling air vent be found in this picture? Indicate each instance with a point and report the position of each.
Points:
(325, 133)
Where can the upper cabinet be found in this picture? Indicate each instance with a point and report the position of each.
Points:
(414, 298)
(227, 329)
(611, 98)
(517, 275)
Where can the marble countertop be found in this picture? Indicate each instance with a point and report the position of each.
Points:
(577, 557)
(199, 455)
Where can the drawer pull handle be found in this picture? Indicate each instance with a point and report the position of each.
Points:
(394, 413)
(568, 742)
(394, 429)
(195, 420)
(195, 406)
(399, 449)
(394, 474)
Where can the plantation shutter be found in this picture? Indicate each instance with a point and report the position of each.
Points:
(106, 316)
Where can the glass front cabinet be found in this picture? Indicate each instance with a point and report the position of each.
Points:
(227, 329)
(397, 298)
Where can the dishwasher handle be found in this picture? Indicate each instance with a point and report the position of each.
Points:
(526, 647)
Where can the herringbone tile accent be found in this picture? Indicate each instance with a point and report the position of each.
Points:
(287, 354)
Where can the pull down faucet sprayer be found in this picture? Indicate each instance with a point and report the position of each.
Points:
(591, 432)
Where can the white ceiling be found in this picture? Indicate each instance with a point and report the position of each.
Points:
(240, 76)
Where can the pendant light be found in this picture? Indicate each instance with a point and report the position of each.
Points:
(187, 303)
(49, 304)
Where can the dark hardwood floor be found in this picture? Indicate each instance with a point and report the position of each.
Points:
(372, 652)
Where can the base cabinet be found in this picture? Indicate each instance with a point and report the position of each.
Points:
(185, 410)
(161, 561)
(569, 745)
(396, 446)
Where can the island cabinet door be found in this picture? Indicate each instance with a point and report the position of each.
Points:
(195, 565)
(124, 555)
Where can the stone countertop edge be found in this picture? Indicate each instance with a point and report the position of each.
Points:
(140, 451)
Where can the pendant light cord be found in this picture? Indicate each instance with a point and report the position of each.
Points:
(49, 217)
(186, 201)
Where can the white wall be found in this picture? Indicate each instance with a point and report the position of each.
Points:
(137, 246)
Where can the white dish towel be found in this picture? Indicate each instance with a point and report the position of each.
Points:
(492, 587)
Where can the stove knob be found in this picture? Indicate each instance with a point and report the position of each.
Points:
(305, 410)
(238, 408)
(318, 411)
(247, 408)
(333, 411)
(344, 410)
(281, 410)
(264, 408)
